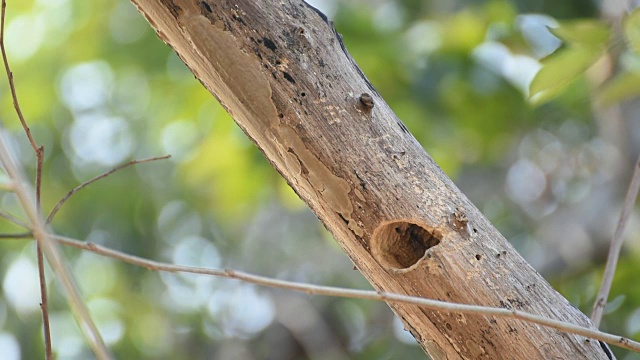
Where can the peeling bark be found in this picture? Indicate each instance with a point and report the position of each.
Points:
(284, 75)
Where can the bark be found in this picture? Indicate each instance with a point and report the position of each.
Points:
(283, 73)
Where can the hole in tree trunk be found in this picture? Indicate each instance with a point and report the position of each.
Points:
(398, 245)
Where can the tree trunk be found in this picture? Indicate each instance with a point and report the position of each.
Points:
(282, 72)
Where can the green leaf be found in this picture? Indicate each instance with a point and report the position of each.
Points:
(582, 33)
(624, 86)
(631, 25)
(559, 70)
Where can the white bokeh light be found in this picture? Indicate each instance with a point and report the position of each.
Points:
(535, 30)
(21, 287)
(100, 139)
(519, 70)
(525, 181)
(24, 36)
(68, 342)
(178, 139)
(241, 311)
(86, 86)
(9, 347)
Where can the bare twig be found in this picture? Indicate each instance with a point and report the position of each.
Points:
(24, 235)
(44, 303)
(616, 246)
(16, 105)
(347, 293)
(350, 293)
(14, 219)
(53, 255)
(103, 175)
(39, 151)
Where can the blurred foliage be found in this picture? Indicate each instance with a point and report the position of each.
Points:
(98, 88)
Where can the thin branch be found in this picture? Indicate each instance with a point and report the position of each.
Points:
(39, 151)
(6, 186)
(616, 246)
(14, 219)
(53, 255)
(44, 302)
(357, 294)
(103, 175)
(24, 235)
(14, 95)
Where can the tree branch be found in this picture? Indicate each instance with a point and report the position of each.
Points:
(52, 253)
(64, 199)
(616, 246)
(352, 293)
(282, 71)
(39, 152)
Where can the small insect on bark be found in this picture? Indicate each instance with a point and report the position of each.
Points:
(366, 101)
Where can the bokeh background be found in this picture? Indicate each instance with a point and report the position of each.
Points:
(98, 88)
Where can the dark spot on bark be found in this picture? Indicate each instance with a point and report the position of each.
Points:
(449, 327)
(288, 77)
(402, 127)
(530, 287)
(280, 116)
(205, 6)
(343, 219)
(269, 44)
(174, 9)
(517, 303)
(303, 94)
(478, 257)
(363, 184)
(366, 101)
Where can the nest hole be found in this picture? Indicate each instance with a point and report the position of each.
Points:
(399, 245)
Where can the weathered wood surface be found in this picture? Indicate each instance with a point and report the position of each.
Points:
(282, 72)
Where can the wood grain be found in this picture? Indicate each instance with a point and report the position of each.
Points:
(283, 73)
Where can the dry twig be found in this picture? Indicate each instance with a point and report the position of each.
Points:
(39, 151)
(52, 253)
(352, 293)
(14, 219)
(89, 182)
(44, 244)
(616, 246)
